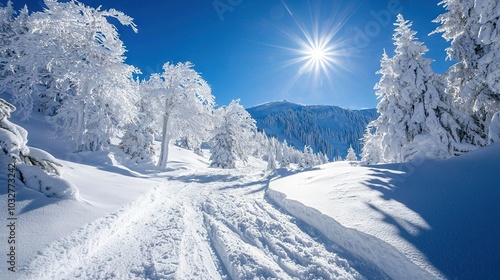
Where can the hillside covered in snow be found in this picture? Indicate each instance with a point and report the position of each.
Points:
(327, 129)
(442, 215)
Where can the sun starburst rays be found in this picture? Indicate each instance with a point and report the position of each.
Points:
(316, 49)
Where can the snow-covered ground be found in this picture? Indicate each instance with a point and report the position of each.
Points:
(187, 222)
(442, 215)
(424, 220)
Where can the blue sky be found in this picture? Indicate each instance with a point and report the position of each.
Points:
(245, 49)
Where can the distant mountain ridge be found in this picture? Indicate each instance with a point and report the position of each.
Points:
(326, 128)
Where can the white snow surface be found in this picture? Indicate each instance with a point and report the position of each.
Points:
(417, 220)
(338, 221)
(187, 222)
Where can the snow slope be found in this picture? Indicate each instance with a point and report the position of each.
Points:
(200, 223)
(424, 220)
(443, 216)
(187, 222)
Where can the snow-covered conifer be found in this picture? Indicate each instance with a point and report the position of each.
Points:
(307, 158)
(324, 158)
(474, 81)
(234, 130)
(271, 160)
(351, 154)
(416, 116)
(138, 138)
(7, 32)
(284, 154)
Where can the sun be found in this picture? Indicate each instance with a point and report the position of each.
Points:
(317, 55)
(316, 47)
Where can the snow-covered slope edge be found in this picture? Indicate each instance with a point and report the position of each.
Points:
(379, 253)
(443, 215)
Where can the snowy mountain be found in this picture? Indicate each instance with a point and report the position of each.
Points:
(327, 129)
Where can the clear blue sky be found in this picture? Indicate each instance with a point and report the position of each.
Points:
(245, 48)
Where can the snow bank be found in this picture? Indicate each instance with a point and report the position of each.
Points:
(441, 215)
(50, 185)
(383, 255)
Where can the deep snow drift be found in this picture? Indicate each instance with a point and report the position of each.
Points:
(444, 215)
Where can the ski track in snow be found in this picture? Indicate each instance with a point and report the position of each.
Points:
(212, 224)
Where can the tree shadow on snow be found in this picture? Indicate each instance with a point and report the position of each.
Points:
(204, 178)
(459, 198)
(105, 161)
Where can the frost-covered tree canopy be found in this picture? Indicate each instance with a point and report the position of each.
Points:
(181, 104)
(234, 130)
(69, 64)
(474, 81)
(416, 118)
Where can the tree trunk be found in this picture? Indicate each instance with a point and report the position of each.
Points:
(162, 163)
(80, 131)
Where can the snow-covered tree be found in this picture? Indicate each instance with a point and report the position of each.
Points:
(70, 64)
(351, 154)
(7, 32)
(416, 116)
(234, 130)
(474, 81)
(38, 169)
(182, 104)
(307, 159)
(371, 151)
(271, 160)
(323, 158)
(138, 138)
(284, 154)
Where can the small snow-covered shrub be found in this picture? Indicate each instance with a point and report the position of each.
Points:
(50, 185)
(38, 169)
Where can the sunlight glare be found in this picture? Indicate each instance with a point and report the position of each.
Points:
(318, 50)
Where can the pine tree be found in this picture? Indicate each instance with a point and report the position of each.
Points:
(371, 151)
(233, 135)
(7, 32)
(284, 158)
(138, 138)
(351, 154)
(416, 117)
(271, 161)
(307, 158)
(474, 81)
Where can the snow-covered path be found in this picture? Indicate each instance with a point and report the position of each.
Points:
(204, 224)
